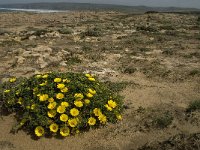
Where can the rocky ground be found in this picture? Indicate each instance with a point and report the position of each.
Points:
(153, 60)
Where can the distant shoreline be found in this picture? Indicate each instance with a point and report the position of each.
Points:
(31, 10)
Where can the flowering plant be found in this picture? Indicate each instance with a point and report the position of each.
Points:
(60, 103)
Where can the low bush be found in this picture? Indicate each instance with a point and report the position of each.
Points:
(60, 103)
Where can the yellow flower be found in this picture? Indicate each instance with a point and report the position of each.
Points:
(102, 119)
(91, 79)
(45, 76)
(60, 96)
(38, 76)
(33, 106)
(77, 131)
(17, 92)
(28, 107)
(50, 100)
(43, 97)
(88, 75)
(20, 100)
(60, 86)
(64, 90)
(78, 103)
(112, 103)
(39, 131)
(57, 80)
(72, 122)
(61, 109)
(12, 80)
(92, 91)
(66, 80)
(22, 122)
(119, 117)
(64, 131)
(53, 127)
(52, 105)
(97, 112)
(51, 113)
(65, 104)
(89, 95)
(91, 121)
(108, 107)
(35, 89)
(78, 96)
(63, 117)
(6, 91)
(87, 101)
(74, 112)
(43, 84)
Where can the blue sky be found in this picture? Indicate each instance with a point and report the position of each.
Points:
(159, 3)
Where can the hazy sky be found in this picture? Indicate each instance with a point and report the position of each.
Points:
(162, 3)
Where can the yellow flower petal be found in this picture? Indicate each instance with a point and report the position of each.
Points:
(43, 97)
(91, 121)
(60, 86)
(97, 112)
(39, 131)
(50, 100)
(87, 101)
(74, 112)
(60, 96)
(78, 103)
(53, 127)
(89, 95)
(57, 80)
(52, 105)
(92, 91)
(61, 109)
(78, 96)
(64, 90)
(12, 80)
(65, 104)
(65, 131)
(108, 107)
(51, 113)
(63, 117)
(119, 117)
(72, 122)
(91, 79)
(112, 103)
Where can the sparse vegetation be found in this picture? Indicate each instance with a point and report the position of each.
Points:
(194, 72)
(151, 60)
(2, 32)
(96, 32)
(194, 106)
(129, 69)
(163, 120)
(117, 86)
(65, 31)
(176, 142)
(73, 60)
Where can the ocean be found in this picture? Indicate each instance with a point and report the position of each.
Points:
(31, 10)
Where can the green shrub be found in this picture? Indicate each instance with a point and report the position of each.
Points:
(198, 19)
(193, 106)
(194, 72)
(92, 32)
(60, 103)
(163, 120)
(65, 31)
(39, 32)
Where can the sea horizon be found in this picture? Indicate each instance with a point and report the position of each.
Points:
(31, 10)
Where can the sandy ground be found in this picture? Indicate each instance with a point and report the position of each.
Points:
(156, 56)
